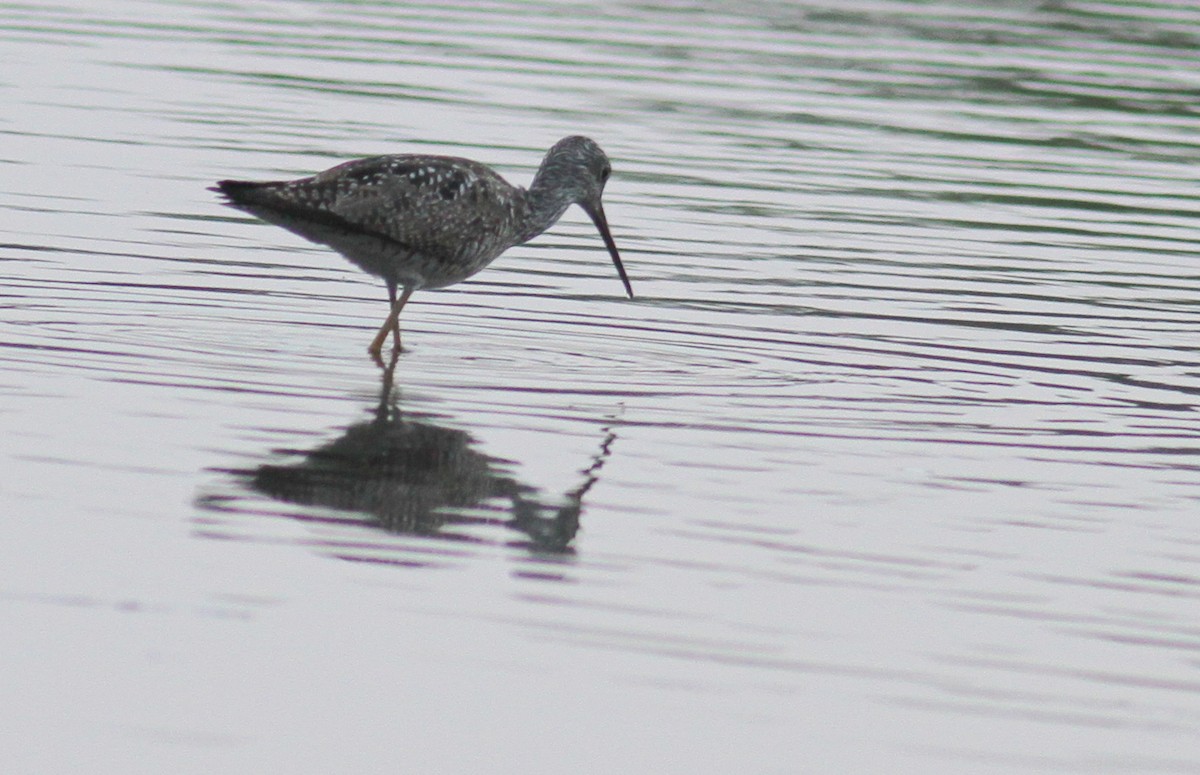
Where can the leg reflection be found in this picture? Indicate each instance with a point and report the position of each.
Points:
(411, 474)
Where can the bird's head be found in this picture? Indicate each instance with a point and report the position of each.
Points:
(578, 169)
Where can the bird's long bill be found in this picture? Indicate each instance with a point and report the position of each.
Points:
(597, 215)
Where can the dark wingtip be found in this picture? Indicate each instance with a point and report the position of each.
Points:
(236, 191)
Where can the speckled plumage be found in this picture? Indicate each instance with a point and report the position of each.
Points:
(422, 221)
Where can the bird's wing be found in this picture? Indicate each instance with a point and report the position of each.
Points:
(428, 203)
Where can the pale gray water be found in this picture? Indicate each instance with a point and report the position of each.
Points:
(892, 466)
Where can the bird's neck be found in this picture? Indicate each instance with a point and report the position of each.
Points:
(544, 205)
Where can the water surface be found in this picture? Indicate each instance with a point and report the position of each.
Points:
(892, 464)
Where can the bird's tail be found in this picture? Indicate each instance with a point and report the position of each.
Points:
(241, 192)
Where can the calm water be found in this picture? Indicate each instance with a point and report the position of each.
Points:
(893, 465)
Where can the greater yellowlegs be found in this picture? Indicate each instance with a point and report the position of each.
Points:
(430, 221)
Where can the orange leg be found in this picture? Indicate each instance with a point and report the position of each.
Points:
(392, 324)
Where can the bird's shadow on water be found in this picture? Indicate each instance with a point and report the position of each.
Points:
(408, 474)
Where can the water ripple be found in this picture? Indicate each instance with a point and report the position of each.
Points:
(898, 434)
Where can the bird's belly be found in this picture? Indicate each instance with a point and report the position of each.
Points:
(439, 273)
(414, 268)
(389, 259)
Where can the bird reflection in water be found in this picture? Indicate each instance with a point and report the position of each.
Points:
(414, 476)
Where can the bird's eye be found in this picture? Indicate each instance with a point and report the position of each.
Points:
(604, 173)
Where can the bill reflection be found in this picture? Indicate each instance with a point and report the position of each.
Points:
(412, 475)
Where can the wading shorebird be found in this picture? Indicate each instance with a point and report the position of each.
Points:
(429, 221)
